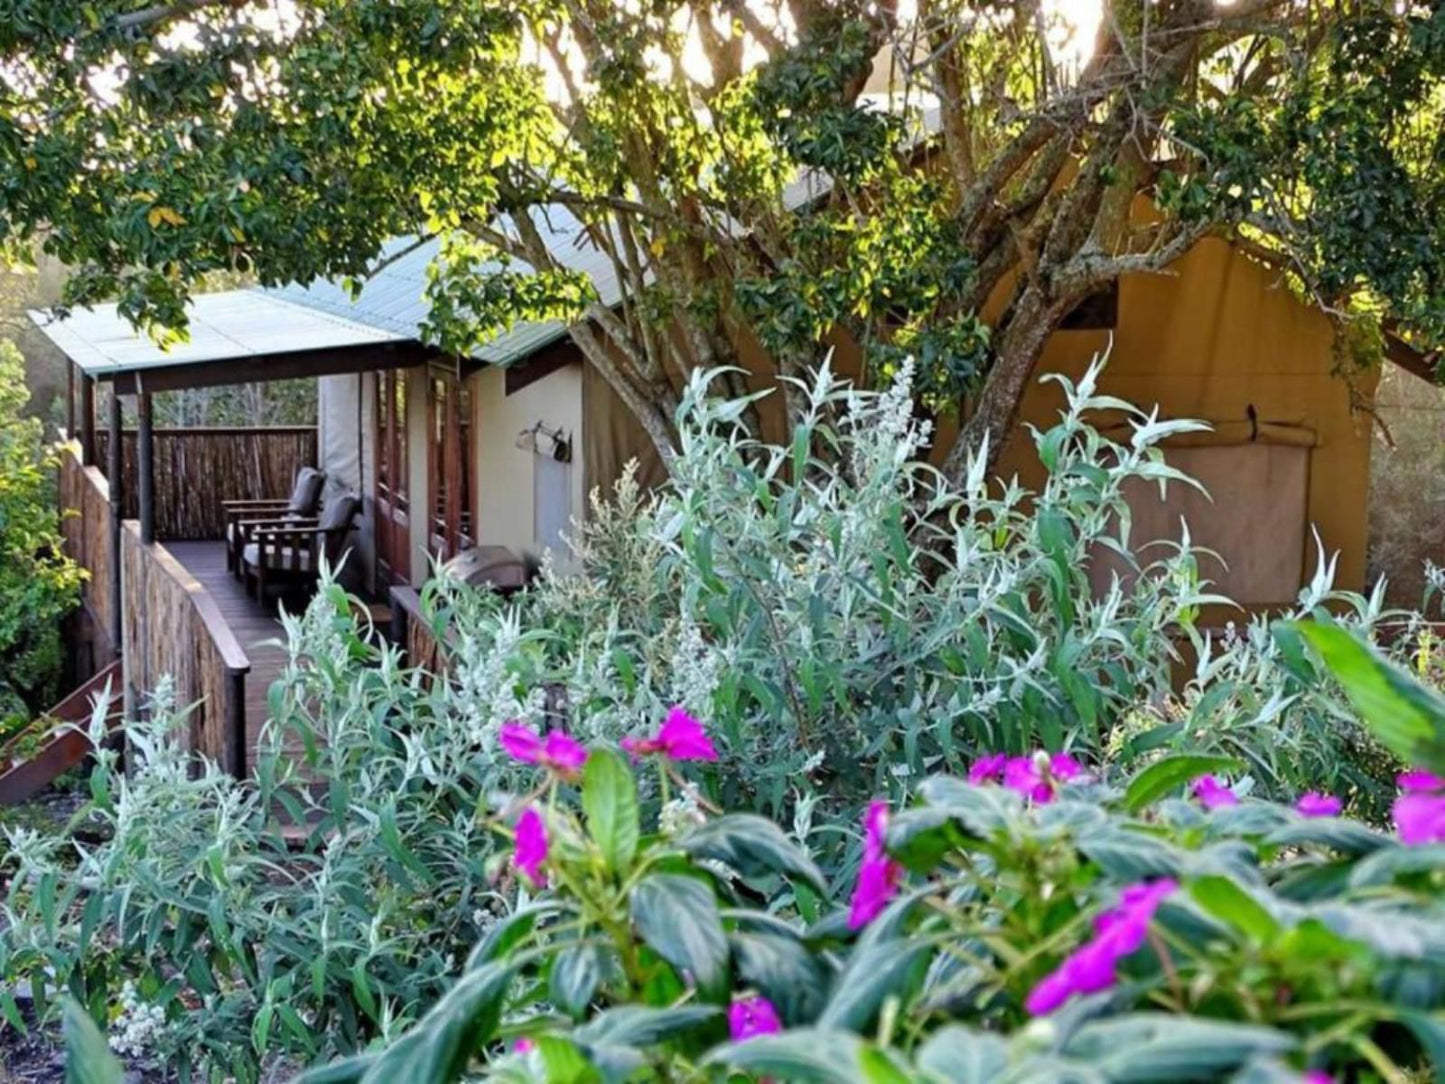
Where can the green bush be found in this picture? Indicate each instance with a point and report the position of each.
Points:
(38, 583)
(1083, 933)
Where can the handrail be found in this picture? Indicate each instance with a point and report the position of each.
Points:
(174, 626)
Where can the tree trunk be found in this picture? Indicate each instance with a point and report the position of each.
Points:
(1019, 349)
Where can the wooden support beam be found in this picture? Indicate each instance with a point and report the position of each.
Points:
(115, 477)
(87, 420)
(69, 400)
(145, 468)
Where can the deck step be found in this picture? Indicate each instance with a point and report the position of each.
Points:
(65, 748)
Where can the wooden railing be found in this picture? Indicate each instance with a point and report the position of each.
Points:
(412, 629)
(197, 469)
(85, 524)
(173, 627)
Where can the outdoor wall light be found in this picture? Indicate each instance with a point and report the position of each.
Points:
(543, 440)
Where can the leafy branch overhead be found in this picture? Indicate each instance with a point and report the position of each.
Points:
(948, 181)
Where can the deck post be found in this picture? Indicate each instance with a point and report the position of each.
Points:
(115, 478)
(236, 720)
(145, 469)
(87, 420)
(70, 400)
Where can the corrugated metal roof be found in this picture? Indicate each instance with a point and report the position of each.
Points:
(223, 327)
(393, 298)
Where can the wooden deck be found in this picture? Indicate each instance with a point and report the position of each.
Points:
(252, 624)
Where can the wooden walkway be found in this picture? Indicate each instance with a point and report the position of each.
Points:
(252, 623)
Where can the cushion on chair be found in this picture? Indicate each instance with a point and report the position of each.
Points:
(277, 557)
(338, 513)
(306, 492)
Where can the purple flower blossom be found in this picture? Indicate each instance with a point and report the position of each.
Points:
(1318, 1076)
(523, 1045)
(681, 737)
(1035, 777)
(1093, 966)
(1213, 794)
(878, 875)
(988, 768)
(556, 752)
(1315, 804)
(1417, 779)
(749, 1017)
(532, 845)
(1420, 818)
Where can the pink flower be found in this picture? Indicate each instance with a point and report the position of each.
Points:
(532, 845)
(878, 875)
(1315, 804)
(1093, 966)
(681, 737)
(988, 768)
(523, 1045)
(1213, 794)
(1318, 1076)
(750, 1017)
(1420, 818)
(1417, 779)
(557, 752)
(1064, 767)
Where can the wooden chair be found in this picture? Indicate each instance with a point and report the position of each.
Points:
(290, 551)
(303, 503)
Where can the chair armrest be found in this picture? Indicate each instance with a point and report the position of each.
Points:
(265, 502)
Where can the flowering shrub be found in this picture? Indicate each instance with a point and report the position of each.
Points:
(1030, 923)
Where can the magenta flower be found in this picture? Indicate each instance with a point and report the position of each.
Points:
(1315, 804)
(749, 1017)
(878, 874)
(681, 737)
(1417, 779)
(1064, 767)
(1420, 818)
(532, 845)
(556, 752)
(1093, 966)
(523, 1045)
(1318, 1076)
(1213, 794)
(986, 769)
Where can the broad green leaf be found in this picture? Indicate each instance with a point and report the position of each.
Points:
(677, 916)
(576, 972)
(609, 798)
(1406, 717)
(1133, 856)
(1429, 1032)
(1156, 1047)
(444, 1040)
(804, 1056)
(509, 932)
(1232, 905)
(752, 845)
(876, 970)
(1170, 773)
(784, 971)
(563, 1063)
(88, 1059)
(641, 1025)
(984, 811)
(1337, 833)
(960, 1055)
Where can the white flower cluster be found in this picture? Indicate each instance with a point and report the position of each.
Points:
(484, 686)
(696, 669)
(138, 1023)
(681, 813)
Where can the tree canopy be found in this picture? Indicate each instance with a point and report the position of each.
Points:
(757, 171)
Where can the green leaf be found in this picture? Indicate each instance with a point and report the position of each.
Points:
(752, 845)
(563, 1062)
(1429, 1032)
(1225, 900)
(576, 973)
(642, 1025)
(677, 916)
(960, 1055)
(805, 1055)
(1156, 1047)
(438, 1048)
(88, 1059)
(1406, 717)
(984, 811)
(609, 798)
(879, 968)
(1165, 775)
(783, 970)
(1337, 833)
